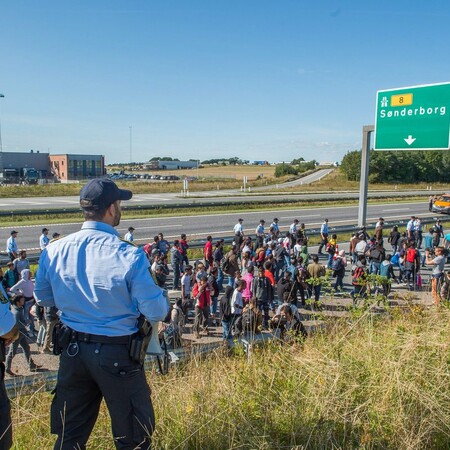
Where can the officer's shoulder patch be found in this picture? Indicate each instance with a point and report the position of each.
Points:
(128, 242)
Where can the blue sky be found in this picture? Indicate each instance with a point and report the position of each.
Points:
(258, 79)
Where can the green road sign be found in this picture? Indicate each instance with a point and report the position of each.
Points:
(415, 118)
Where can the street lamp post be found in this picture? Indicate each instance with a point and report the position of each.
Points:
(131, 144)
(1, 144)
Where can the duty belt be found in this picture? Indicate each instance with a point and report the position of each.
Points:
(86, 337)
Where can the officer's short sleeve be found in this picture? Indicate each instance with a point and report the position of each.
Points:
(7, 320)
(148, 296)
(43, 292)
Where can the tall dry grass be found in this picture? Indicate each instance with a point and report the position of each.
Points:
(365, 384)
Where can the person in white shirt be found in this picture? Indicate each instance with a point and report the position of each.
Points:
(237, 305)
(410, 228)
(239, 232)
(129, 236)
(44, 239)
(274, 228)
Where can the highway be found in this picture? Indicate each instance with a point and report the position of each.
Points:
(9, 205)
(198, 226)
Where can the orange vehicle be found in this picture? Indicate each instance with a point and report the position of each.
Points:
(442, 204)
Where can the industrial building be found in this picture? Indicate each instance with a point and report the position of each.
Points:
(17, 167)
(67, 167)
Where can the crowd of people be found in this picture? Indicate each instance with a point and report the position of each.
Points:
(245, 287)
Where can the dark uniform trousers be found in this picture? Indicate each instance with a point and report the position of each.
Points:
(5, 414)
(97, 371)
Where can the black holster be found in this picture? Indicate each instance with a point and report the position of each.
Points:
(60, 338)
(140, 340)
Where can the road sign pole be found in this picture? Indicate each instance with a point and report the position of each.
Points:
(364, 182)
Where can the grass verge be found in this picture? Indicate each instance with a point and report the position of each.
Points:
(367, 384)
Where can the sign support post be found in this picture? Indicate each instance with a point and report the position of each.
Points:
(364, 179)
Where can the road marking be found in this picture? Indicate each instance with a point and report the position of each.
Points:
(395, 210)
(303, 217)
(148, 228)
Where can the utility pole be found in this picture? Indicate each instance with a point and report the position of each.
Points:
(131, 144)
(1, 143)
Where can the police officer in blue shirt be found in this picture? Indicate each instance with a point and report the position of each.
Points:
(101, 284)
(8, 333)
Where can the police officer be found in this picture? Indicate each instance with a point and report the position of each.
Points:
(8, 334)
(101, 284)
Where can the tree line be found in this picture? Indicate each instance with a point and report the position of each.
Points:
(399, 166)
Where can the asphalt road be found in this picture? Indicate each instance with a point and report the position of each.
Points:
(171, 199)
(198, 226)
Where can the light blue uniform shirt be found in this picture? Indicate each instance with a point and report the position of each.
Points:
(7, 319)
(129, 237)
(11, 245)
(100, 283)
(43, 241)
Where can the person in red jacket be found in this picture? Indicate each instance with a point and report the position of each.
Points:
(202, 301)
(208, 252)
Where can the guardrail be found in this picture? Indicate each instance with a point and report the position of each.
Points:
(199, 243)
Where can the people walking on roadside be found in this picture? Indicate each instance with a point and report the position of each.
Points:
(230, 265)
(17, 309)
(25, 286)
(129, 236)
(260, 234)
(315, 272)
(438, 263)
(393, 239)
(410, 228)
(11, 245)
(202, 301)
(323, 236)
(225, 312)
(274, 229)
(208, 252)
(359, 281)
(238, 231)
(331, 248)
(44, 240)
(162, 244)
(21, 263)
(176, 261)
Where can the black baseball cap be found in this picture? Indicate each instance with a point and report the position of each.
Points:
(130, 229)
(99, 193)
(44, 230)
(14, 232)
(55, 235)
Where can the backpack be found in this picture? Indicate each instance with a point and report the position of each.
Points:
(249, 321)
(225, 265)
(225, 307)
(331, 249)
(337, 265)
(411, 255)
(358, 274)
(375, 254)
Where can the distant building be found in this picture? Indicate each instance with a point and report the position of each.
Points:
(63, 167)
(14, 166)
(68, 167)
(171, 165)
(21, 160)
